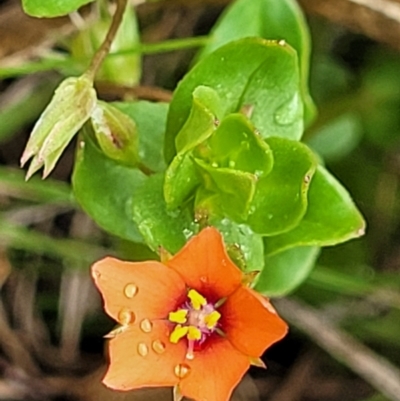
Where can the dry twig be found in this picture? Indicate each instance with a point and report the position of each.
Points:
(373, 368)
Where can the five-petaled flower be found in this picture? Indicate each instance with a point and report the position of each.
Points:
(190, 322)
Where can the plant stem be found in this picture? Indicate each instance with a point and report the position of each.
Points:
(67, 63)
(105, 47)
(165, 46)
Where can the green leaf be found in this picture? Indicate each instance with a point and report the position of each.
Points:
(337, 138)
(269, 19)
(280, 200)
(244, 246)
(235, 144)
(105, 190)
(251, 73)
(51, 8)
(234, 189)
(181, 179)
(331, 217)
(150, 119)
(286, 270)
(160, 227)
(202, 120)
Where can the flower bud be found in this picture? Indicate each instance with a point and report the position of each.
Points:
(116, 134)
(70, 107)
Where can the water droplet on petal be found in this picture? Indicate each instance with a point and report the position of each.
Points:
(125, 316)
(182, 370)
(146, 325)
(130, 290)
(282, 42)
(142, 349)
(158, 346)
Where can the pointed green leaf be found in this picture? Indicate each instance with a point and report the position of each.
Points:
(280, 200)
(232, 72)
(235, 144)
(202, 120)
(181, 179)
(331, 217)
(338, 137)
(269, 19)
(273, 95)
(105, 189)
(160, 227)
(286, 270)
(235, 189)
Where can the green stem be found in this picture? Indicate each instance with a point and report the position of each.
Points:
(64, 63)
(17, 237)
(105, 47)
(166, 46)
(169, 45)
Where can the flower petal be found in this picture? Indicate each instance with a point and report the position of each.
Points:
(205, 265)
(142, 290)
(214, 372)
(250, 322)
(139, 359)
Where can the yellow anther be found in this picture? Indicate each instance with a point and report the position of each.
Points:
(179, 316)
(196, 299)
(211, 320)
(193, 333)
(178, 333)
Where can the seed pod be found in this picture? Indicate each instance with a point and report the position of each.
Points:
(116, 134)
(71, 106)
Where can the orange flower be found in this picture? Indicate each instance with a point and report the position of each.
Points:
(189, 322)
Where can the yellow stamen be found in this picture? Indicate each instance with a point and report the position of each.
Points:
(178, 333)
(196, 299)
(211, 320)
(193, 333)
(179, 316)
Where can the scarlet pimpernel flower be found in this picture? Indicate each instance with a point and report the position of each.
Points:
(190, 322)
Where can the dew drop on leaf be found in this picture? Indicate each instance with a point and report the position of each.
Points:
(288, 112)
